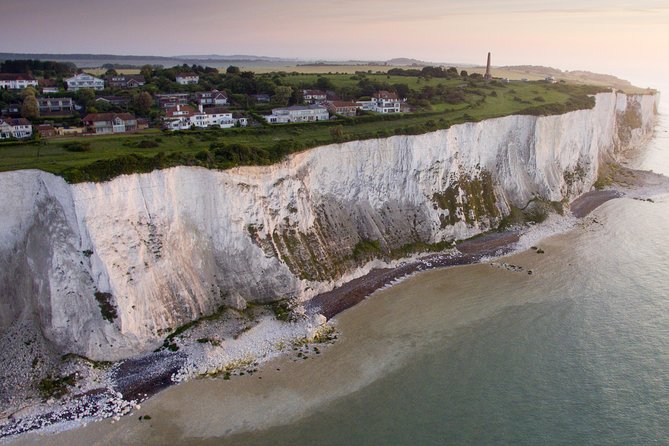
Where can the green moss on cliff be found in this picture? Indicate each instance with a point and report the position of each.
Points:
(468, 198)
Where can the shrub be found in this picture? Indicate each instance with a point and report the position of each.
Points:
(147, 144)
(77, 146)
(107, 308)
(56, 387)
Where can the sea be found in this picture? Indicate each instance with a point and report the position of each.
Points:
(575, 353)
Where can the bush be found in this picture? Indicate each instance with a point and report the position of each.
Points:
(56, 387)
(147, 144)
(107, 309)
(77, 146)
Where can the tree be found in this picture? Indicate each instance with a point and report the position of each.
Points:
(323, 83)
(86, 96)
(402, 90)
(232, 70)
(147, 72)
(464, 73)
(282, 94)
(29, 91)
(30, 107)
(143, 102)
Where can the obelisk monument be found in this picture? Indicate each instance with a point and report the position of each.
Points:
(488, 76)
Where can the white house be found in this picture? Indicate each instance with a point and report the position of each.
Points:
(213, 98)
(55, 105)
(386, 102)
(382, 102)
(314, 96)
(106, 123)
(15, 128)
(11, 81)
(298, 113)
(183, 117)
(187, 78)
(83, 80)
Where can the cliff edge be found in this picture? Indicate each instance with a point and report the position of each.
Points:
(106, 270)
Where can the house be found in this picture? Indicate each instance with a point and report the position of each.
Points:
(187, 78)
(83, 80)
(118, 101)
(142, 123)
(313, 96)
(55, 106)
(172, 99)
(48, 86)
(106, 123)
(126, 81)
(183, 117)
(298, 113)
(213, 98)
(177, 117)
(261, 98)
(550, 80)
(13, 81)
(366, 105)
(386, 102)
(13, 109)
(342, 108)
(69, 131)
(15, 128)
(46, 131)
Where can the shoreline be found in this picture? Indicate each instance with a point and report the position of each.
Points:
(132, 386)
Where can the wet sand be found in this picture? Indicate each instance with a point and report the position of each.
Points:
(378, 337)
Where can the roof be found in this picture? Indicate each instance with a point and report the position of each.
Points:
(186, 75)
(302, 107)
(313, 92)
(15, 121)
(127, 77)
(112, 98)
(78, 75)
(341, 104)
(386, 95)
(16, 77)
(172, 95)
(190, 111)
(48, 98)
(216, 110)
(97, 117)
(212, 93)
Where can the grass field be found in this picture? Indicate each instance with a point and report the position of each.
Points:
(195, 147)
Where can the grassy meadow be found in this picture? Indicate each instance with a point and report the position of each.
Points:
(104, 157)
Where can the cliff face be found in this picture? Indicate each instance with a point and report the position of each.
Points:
(105, 269)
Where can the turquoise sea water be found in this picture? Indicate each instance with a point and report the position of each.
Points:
(582, 359)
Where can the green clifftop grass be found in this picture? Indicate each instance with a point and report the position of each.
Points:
(109, 156)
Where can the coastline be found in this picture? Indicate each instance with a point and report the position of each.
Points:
(131, 386)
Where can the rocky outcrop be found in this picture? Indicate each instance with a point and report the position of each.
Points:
(105, 270)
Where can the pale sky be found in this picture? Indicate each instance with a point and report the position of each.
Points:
(622, 37)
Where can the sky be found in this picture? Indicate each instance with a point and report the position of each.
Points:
(626, 38)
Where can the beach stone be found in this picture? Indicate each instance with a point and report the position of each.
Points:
(319, 320)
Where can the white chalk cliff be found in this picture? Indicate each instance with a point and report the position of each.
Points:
(163, 248)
